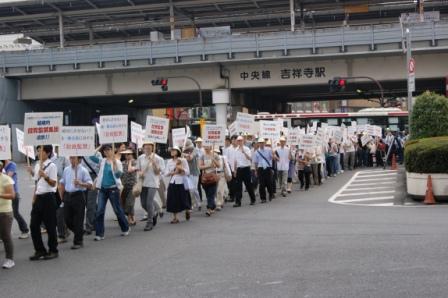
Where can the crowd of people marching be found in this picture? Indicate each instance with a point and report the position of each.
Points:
(71, 194)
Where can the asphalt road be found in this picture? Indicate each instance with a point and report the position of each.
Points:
(301, 246)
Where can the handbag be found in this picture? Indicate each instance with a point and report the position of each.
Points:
(209, 178)
(137, 188)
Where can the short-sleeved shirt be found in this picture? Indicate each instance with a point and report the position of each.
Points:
(150, 178)
(68, 177)
(207, 159)
(263, 158)
(51, 171)
(283, 162)
(12, 168)
(5, 205)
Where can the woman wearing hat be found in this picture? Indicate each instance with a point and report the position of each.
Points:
(129, 179)
(178, 198)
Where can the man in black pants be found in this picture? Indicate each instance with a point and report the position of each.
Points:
(243, 161)
(263, 164)
(44, 206)
(73, 185)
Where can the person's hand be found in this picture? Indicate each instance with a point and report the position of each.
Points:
(42, 174)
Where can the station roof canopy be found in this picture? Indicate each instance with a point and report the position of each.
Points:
(118, 20)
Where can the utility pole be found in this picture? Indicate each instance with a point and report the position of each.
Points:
(411, 80)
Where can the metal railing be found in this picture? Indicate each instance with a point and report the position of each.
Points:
(342, 37)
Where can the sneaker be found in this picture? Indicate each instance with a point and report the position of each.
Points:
(51, 255)
(126, 233)
(8, 264)
(38, 256)
(98, 238)
(24, 235)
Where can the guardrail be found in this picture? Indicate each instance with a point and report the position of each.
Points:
(342, 37)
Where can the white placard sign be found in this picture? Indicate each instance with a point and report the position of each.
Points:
(377, 131)
(370, 129)
(354, 123)
(361, 128)
(77, 141)
(246, 123)
(25, 150)
(233, 129)
(351, 130)
(320, 136)
(137, 134)
(307, 143)
(5, 142)
(157, 129)
(42, 128)
(178, 136)
(293, 137)
(113, 129)
(365, 139)
(269, 130)
(314, 127)
(214, 135)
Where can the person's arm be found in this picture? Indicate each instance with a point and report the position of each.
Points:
(186, 168)
(118, 168)
(86, 180)
(61, 189)
(247, 153)
(8, 193)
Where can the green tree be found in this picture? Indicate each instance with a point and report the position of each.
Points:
(430, 116)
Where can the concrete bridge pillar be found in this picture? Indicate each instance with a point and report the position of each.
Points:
(221, 99)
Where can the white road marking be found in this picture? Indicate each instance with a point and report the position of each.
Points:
(373, 183)
(366, 188)
(374, 179)
(379, 175)
(273, 283)
(366, 193)
(366, 199)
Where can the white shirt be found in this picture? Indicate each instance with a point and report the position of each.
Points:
(150, 178)
(51, 171)
(230, 154)
(240, 158)
(171, 165)
(349, 146)
(283, 163)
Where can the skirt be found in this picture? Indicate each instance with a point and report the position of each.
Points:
(178, 199)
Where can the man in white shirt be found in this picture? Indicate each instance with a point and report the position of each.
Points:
(44, 206)
(283, 165)
(150, 167)
(349, 156)
(242, 164)
(72, 188)
(230, 156)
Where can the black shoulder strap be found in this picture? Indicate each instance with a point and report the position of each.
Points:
(265, 159)
(89, 166)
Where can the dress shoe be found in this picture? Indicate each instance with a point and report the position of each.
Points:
(51, 255)
(38, 256)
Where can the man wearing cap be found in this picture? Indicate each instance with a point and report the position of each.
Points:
(284, 157)
(150, 166)
(263, 165)
(243, 161)
(72, 189)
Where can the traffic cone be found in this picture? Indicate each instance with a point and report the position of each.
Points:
(429, 197)
(394, 162)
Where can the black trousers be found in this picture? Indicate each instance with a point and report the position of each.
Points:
(231, 186)
(265, 182)
(304, 178)
(243, 175)
(44, 211)
(74, 207)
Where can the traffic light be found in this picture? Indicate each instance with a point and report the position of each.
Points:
(337, 84)
(163, 83)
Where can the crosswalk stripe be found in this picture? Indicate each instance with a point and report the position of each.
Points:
(364, 188)
(373, 183)
(366, 199)
(379, 175)
(372, 179)
(365, 193)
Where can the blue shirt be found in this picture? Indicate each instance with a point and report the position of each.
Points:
(12, 167)
(260, 161)
(68, 176)
(108, 177)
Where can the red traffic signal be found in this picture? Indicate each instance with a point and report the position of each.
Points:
(337, 84)
(163, 83)
(341, 83)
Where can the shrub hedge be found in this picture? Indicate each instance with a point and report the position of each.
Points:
(429, 155)
(429, 116)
